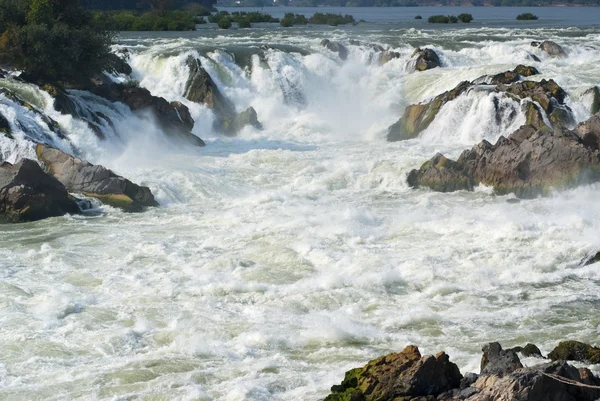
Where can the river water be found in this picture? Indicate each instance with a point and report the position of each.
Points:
(281, 258)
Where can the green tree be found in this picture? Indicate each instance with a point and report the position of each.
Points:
(52, 40)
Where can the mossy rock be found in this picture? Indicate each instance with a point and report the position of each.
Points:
(575, 351)
(525, 71)
(398, 377)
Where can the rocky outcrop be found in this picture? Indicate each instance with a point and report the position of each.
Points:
(548, 96)
(404, 377)
(174, 117)
(497, 361)
(418, 117)
(94, 181)
(575, 351)
(424, 59)
(201, 88)
(529, 163)
(340, 49)
(29, 194)
(553, 49)
(399, 376)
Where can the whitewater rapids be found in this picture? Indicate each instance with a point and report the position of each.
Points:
(281, 258)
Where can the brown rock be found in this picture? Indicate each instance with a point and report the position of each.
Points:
(29, 194)
(94, 180)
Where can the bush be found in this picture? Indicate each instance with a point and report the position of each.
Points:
(52, 41)
(290, 19)
(214, 18)
(442, 19)
(150, 21)
(224, 23)
(526, 17)
(466, 18)
(244, 23)
(418, 17)
(331, 19)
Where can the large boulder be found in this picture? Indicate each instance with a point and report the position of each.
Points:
(335, 47)
(27, 193)
(398, 376)
(118, 65)
(529, 350)
(95, 181)
(498, 361)
(529, 163)
(424, 59)
(575, 351)
(553, 49)
(547, 94)
(201, 88)
(174, 117)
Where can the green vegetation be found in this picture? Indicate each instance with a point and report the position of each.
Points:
(442, 19)
(149, 21)
(418, 17)
(252, 17)
(52, 41)
(224, 23)
(146, 5)
(290, 19)
(244, 22)
(466, 18)
(331, 19)
(526, 17)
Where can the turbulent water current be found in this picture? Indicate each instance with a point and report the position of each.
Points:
(281, 258)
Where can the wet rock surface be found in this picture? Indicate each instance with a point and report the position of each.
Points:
(94, 181)
(424, 59)
(27, 193)
(529, 163)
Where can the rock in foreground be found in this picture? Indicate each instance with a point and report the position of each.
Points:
(95, 181)
(529, 163)
(409, 377)
(391, 377)
(29, 194)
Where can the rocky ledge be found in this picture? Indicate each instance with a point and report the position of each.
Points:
(528, 163)
(409, 376)
(28, 193)
(95, 181)
(541, 101)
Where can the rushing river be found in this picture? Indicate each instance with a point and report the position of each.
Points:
(281, 258)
